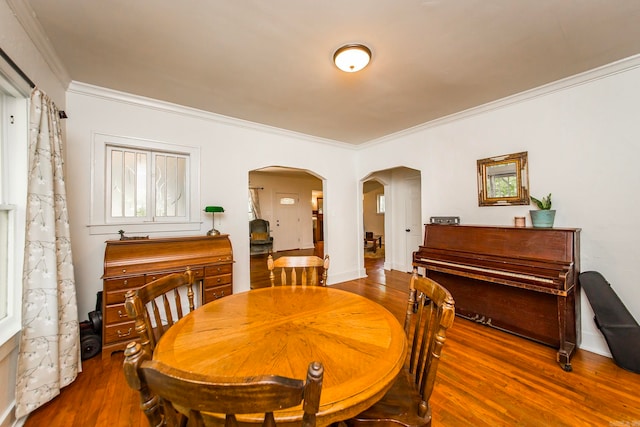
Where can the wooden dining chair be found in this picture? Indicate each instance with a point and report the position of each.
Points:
(159, 304)
(168, 394)
(303, 270)
(430, 312)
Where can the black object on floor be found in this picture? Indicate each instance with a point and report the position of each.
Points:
(91, 331)
(620, 329)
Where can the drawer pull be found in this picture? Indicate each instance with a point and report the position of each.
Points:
(121, 314)
(121, 335)
(216, 296)
(126, 282)
(219, 280)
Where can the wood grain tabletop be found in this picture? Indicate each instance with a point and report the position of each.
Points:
(280, 330)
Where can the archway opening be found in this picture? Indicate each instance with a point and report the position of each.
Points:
(392, 212)
(291, 202)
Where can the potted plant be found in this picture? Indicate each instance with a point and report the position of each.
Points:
(542, 218)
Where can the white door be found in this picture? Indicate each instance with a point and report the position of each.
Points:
(286, 230)
(413, 222)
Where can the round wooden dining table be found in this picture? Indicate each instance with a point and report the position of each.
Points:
(280, 330)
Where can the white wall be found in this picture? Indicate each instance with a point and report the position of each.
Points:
(229, 150)
(583, 143)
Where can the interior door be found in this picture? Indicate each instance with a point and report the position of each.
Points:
(413, 222)
(286, 230)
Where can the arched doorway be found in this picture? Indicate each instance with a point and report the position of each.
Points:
(291, 200)
(373, 215)
(399, 190)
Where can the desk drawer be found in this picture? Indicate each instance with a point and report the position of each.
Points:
(128, 283)
(115, 314)
(212, 294)
(120, 332)
(117, 297)
(222, 279)
(215, 270)
(198, 273)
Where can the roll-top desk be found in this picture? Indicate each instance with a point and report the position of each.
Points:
(129, 264)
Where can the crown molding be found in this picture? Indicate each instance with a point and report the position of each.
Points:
(27, 18)
(168, 107)
(604, 71)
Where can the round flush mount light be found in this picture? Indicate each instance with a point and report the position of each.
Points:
(352, 57)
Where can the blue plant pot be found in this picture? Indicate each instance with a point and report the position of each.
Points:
(542, 218)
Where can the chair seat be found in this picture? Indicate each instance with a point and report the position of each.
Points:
(398, 407)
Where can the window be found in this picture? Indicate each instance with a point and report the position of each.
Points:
(380, 203)
(287, 201)
(13, 199)
(147, 185)
(251, 210)
(502, 185)
(137, 194)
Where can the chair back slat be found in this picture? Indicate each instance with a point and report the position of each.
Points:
(158, 305)
(434, 313)
(299, 270)
(166, 390)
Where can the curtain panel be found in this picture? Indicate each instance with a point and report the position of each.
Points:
(254, 197)
(49, 355)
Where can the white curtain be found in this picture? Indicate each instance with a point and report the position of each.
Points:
(49, 356)
(255, 202)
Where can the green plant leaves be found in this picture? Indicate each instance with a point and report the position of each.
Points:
(544, 204)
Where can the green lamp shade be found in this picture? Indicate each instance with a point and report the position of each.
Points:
(214, 209)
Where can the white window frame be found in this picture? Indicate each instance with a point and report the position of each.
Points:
(13, 190)
(101, 220)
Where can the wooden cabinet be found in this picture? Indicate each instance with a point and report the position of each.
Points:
(130, 264)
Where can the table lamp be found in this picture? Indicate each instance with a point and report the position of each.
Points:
(213, 210)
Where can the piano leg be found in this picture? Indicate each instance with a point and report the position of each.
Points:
(564, 357)
(567, 331)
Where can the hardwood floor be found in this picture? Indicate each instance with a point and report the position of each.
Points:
(486, 377)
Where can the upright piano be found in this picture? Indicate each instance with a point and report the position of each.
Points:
(520, 280)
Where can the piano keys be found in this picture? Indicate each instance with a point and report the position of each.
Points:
(520, 280)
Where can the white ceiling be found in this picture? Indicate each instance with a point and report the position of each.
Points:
(270, 62)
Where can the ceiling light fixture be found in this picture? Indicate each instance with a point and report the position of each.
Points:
(352, 57)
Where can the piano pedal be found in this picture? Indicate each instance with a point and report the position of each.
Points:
(482, 320)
